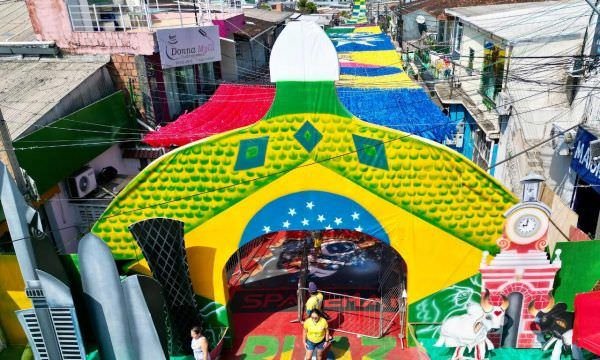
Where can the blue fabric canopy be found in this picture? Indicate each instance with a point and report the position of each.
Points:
(349, 42)
(408, 110)
(369, 71)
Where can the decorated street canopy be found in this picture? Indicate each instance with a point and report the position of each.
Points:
(372, 86)
(434, 207)
(359, 13)
(231, 107)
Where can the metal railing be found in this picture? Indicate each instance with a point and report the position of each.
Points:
(371, 317)
(351, 314)
(147, 17)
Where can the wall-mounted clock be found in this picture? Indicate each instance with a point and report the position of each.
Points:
(526, 225)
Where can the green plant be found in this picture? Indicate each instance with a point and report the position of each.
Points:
(311, 7)
(302, 5)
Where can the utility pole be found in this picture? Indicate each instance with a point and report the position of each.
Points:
(400, 24)
(9, 157)
(385, 18)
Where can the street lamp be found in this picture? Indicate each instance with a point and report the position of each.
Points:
(531, 187)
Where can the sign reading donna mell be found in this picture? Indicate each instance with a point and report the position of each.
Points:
(188, 46)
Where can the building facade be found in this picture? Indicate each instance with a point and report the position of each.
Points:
(501, 87)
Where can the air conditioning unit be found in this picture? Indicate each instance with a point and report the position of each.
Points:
(562, 142)
(578, 69)
(81, 184)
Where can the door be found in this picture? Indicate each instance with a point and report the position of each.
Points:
(510, 331)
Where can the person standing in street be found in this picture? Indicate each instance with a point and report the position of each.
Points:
(315, 299)
(316, 335)
(199, 344)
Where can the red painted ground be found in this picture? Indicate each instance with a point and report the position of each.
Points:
(274, 336)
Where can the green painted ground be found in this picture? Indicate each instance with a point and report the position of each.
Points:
(498, 354)
(16, 353)
(580, 270)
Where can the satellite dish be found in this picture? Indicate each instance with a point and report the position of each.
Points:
(420, 19)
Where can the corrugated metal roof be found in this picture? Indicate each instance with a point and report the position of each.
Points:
(546, 21)
(437, 7)
(14, 22)
(31, 88)
(254, 27)
(266, 15)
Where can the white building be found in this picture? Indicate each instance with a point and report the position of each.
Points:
(515, 67)
(519, 55)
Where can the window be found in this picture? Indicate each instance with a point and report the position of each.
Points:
(482, 148)
(471, 60)
(458, 33)
(441, 35)
(492, 74)
(188, 86)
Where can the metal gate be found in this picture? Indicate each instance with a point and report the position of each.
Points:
(371, 317)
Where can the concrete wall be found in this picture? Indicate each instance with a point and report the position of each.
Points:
(471, 39)
(65, 216)
(411, 29)
(530, 121)
(124, 73)
(229, 24)
(229, 69)
(252, 55)
(50, 21)
(94, 88)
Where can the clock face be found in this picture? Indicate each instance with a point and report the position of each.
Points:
(526, 225)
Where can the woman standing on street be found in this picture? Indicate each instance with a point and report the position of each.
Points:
(199, 344)
(316, 335)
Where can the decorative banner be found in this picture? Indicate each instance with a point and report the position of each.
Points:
(188, 46)
(582, 160)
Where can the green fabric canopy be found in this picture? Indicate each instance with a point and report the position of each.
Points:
(55, 151)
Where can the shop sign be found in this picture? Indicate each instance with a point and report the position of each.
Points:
(188, 46)
(583, 164)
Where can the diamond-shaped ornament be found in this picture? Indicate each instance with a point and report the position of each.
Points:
(308, 136)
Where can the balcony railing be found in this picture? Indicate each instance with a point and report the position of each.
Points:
(146, 17)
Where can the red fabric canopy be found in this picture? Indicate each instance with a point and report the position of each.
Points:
(231, 107)
(586, 331)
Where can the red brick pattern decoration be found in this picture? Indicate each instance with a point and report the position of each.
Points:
(524, 269)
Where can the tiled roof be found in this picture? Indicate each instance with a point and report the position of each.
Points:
(14, 22)
(31, 89)
(554, 21)
(266, 15)
(254, 27)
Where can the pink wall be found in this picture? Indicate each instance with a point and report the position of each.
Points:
(50, 21)
(229, 25)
